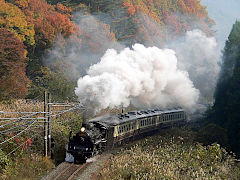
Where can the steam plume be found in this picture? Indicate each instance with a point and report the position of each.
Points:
(142, 76)
(199, 55)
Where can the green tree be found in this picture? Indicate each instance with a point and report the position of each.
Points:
(225, 111)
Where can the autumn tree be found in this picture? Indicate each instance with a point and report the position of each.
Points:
(49, 21)
(12, 18)
(13, 82)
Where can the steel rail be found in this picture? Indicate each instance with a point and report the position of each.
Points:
(63, 171)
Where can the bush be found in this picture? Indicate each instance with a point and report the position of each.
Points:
(159, 157)
(213, 133)
(27, 167)
(3, 160)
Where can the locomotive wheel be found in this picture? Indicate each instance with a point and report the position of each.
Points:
(95, 150)
(79, 160)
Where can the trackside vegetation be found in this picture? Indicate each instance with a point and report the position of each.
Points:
(173, 154)
(22, 157)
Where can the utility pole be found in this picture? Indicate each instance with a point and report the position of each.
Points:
(49, 125)
(45, 125)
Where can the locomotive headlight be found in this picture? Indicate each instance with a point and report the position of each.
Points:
(83, 129)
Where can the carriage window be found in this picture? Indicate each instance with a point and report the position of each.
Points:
(154, 120)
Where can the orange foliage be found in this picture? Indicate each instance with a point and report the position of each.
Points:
(131, 9)
(48, 20)
(21, 3)
(174, 24)
(12, 18)
(166, 18)
(63, 9)
(12, 60)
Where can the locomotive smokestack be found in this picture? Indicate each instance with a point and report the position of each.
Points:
(84, 118)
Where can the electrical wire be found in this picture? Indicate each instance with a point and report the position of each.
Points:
(21, 145)
(18, 133)
(15, 127)
(19, 119)
(32, 122)
(71, 109)
(13, 131)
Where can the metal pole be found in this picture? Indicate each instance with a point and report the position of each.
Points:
(49, 125)
(45, 125)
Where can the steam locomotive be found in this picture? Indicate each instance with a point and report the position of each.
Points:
(108, 131)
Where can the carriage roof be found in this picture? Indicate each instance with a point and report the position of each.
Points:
(113, 120)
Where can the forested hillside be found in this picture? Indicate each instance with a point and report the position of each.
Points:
(225, 111)
(30, 28)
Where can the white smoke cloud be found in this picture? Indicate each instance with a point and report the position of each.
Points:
(200, 56)
(142, 76)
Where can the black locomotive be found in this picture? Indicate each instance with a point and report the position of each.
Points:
(107, 131)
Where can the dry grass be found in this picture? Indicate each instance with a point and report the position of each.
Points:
(28, 163)
(27, 167)
(20, 105)
(171, 157)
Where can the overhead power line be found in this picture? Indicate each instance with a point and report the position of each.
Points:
(17, 134)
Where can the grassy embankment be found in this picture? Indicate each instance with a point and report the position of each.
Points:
(173, 154)
(28, 162)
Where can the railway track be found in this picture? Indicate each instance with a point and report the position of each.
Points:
(69, 171)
